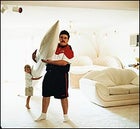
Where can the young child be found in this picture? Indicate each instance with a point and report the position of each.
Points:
(28, 84)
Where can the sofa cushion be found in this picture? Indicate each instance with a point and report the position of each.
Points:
(110, 61)
(135, 81)
(134, 89)
(112, 76)
(123, 89)
(120, 76)
(117, 90)
(100, 77)
(82, 61)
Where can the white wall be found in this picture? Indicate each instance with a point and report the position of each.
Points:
(92, 30)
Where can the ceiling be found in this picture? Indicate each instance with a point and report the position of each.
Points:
(117, 5)
(78, 14)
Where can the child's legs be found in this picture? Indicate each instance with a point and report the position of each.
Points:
(28, 101)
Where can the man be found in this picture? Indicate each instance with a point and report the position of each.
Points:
(55, 82)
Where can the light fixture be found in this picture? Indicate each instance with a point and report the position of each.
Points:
(17, 9)
(4, 7)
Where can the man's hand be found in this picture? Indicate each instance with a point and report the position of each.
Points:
(34, 55)
(45, 61)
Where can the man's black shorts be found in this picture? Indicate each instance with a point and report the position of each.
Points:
(55, 82)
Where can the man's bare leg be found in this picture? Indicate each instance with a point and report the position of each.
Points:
(64, 103)
(45, 104)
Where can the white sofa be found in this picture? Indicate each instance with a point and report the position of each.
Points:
(83, 64)
(111, 87)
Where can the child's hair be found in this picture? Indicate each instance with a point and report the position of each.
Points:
(27, 66)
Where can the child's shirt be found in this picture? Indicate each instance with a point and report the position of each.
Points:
(28, 80)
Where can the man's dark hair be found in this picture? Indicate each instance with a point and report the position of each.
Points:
(65, 32)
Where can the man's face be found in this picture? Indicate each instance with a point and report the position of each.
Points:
(63, 38)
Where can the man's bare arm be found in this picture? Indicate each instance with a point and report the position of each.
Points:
(55, 62)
